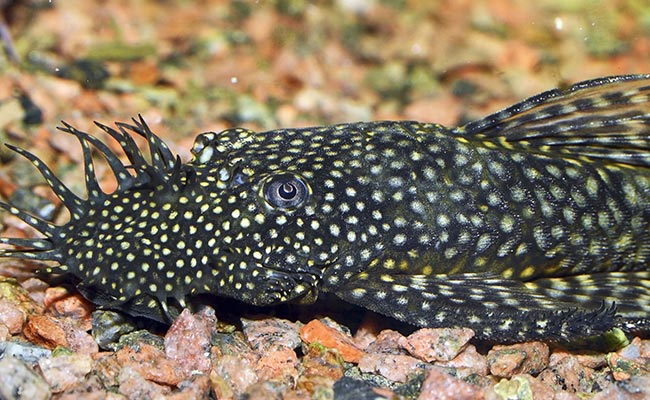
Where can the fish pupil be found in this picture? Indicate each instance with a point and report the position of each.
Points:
(286, 191)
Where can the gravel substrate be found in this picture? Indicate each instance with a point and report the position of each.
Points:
(190, 67)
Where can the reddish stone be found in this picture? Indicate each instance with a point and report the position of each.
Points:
(151, 363)
(268, 333)
(520, 358)
(65, 371)
(442, 344)
(396, 367)
(468, 360)
(279, 364)
(441, 386)
(45, 331)
(317, 332)
(62, 303)
(187, 341)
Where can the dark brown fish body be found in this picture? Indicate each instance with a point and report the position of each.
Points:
(530, 224)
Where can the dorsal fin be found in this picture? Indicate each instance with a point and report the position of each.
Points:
(605, 119)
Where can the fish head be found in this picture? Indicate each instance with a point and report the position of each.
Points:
(287, 207)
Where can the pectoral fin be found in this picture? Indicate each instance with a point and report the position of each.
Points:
(495, 308)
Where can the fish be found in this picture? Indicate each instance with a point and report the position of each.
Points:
(532, 223)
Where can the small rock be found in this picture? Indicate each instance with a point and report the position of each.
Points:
(89, 389)
(515, 388)
(151, 363)
(107, 369)
(566, 373)
(593, 361)
(4, 332)
(644, 348)
(367, 332)
(231, 376)
(187, 341)
(135, 339)
(15, 305)
(45, 331)
(522, 358)
(396, 367)
(278, 364)
(25, 352)
(469, 360)
(636, 388)
(321, 367)
(51, 332)
(439, 385)
(348, 388)
(442, 344)
(622, 368)
(65, 371)
(134, 386)
(317, 332)
(631, 351)
(18, 381)
(108, 327)
(11, 317)
(266, 390)
(271, 332)
(62, 303)
(388, 341)
(220, 388)
(197, 387)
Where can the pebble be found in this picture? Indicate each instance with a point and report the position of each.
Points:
(321, 367)
(25, 352)
(233, 365)
(15, 305)
(469, 361)
(396, 367)
(438, 385)
(522, 358)
(232, 375)
(4, 332)
(51, 332)
(135, 386)
(520, 387)
(11, 317)
(566, 373)
(18, 381)
(622, 368)
(431, 344)
(348, 388)
(65, 371)
(62, 303)
(151, 364)
(279, 364)
(387, 341)
(108, 327)
(317, 332)
(187, 342)
(271, 332)
(196, 387)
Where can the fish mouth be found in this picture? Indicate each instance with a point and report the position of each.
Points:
(282, 287)
(265, 283)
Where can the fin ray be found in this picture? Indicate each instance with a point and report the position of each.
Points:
(70, 200)
(605, 119)
(46, 228)
(124, 178)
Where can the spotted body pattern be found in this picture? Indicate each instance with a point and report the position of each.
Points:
(532, 223)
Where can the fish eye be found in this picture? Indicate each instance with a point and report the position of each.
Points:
(285, 191)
